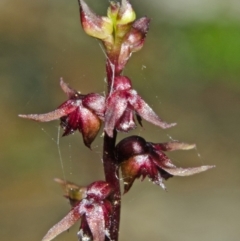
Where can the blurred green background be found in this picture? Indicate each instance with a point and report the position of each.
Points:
(188, 71)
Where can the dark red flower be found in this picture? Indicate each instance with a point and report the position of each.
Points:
(79, 112)
(139, 158)
(121, 105)
(93, 209)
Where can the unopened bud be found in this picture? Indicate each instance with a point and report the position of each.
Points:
(93, 24)
(113, 10)
(126, 13)
(137, 35)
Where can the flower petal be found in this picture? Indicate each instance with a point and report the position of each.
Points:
(126, 13)
(126, 122)
(98, 191)
(124, 55)
(112, 11)
(158, 180)
(89, 125)
(96, 222)
(166, 164)
(142, 25)
(84, 233)
(178, 171)
(96, 103)
(115, 107)
(63, 110)
(135, 167)
(67, 89)
(145, 111)
(71, 218)
(173, 146)
(136, 37)
(71, 122)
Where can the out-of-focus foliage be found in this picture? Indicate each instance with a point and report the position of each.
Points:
(212, 50)
(188, 70)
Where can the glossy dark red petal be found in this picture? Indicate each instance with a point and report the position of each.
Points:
(129, 147)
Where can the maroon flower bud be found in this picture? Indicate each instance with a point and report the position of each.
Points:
(121, 105)
(80, 112)
(137, 35)
(94, 210)
(133, 41)
(139, 158)
(120, 34)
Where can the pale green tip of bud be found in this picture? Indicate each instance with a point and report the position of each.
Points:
(126, 13)
(113, 10)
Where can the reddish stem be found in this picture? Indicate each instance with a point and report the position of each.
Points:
(109, 162)
(112, 69)
(111, 176)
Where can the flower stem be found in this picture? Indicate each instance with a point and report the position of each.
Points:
(111, 176)
(110, 164)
